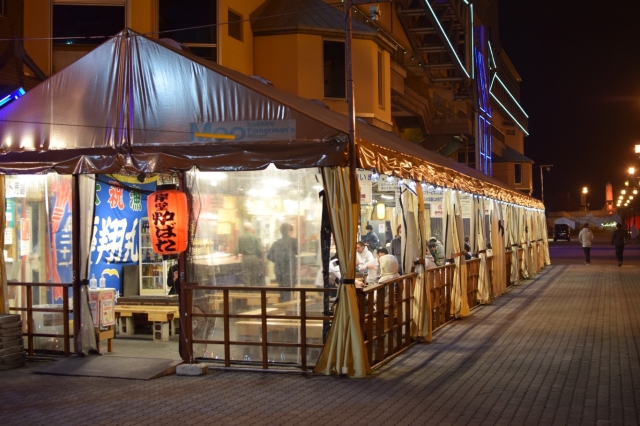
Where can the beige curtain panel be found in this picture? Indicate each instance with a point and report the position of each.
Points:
(344, 351)
(421, 322)
(459, 302)
(498, 245)
(484, 280)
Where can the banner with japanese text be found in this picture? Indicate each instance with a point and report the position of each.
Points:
(120, 204)
(61, 254)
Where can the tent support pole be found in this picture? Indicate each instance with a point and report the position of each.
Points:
(77, 346)
(355, 193)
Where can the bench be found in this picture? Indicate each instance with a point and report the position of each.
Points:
(162, 318)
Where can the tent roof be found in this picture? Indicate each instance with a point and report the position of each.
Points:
(138, 104)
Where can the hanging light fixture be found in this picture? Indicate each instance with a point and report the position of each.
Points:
(168, 220)
(381, 210)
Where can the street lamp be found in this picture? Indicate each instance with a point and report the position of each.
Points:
(548, 167)
(583, 197)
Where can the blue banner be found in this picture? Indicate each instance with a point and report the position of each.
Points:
(121, 202)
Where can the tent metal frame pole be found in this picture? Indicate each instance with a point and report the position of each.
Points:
(77, 320)
(355, 196)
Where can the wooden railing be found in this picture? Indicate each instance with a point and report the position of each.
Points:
(440, 282)
(29, 310)
(261, 318)
(385, 317)
(473, 274)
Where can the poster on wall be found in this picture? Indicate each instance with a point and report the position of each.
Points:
(120, 204)
(436, 203)
(94, 297)
(107, 316)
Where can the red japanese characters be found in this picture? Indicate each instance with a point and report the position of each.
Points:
(168, 221)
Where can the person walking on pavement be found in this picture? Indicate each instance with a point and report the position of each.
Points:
(586, 238)
(617, 240)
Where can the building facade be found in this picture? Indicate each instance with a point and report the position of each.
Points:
(433, 74)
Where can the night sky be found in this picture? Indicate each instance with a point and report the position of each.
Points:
(580, 69)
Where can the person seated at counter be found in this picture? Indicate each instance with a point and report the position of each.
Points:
(433, 252)
(365, 263)
(439, 251)
(388, 271)
(467, 248)
(334, 273)
(250, 248)
(388, 268)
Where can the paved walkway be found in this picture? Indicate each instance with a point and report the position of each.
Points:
(560, 349)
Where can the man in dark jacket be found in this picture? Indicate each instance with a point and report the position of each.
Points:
(370, 239)
(283, 253)
(617, 240)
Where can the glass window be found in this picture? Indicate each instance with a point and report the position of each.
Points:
(334, 70)
(234, 25)
(518, 173)
(70, 21)
(199, 16)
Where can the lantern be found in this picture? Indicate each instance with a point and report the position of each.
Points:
(168, 220)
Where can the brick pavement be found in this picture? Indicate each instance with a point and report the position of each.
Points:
(559, 349)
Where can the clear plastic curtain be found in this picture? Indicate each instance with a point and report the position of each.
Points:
(4, 302)
(498, 250)
(484, 291)
(459, 302)
(344, 351)
(511, 226)
(421, 324)
(87, 185)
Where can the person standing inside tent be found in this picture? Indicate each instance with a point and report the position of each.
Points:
(250, 248)
(586, 238)
(617, 240)
(283, 253)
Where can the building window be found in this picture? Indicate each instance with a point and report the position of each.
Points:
(380, 79)
(74, 25)
(334, 71)
(234, 20)
(3, 8)
(511, 132)
(197, 15)
(518, 173)
(462, 157)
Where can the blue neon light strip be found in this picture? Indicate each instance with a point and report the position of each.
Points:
(512, 117)
(12, 96)
(514, 99)
(447, 38)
